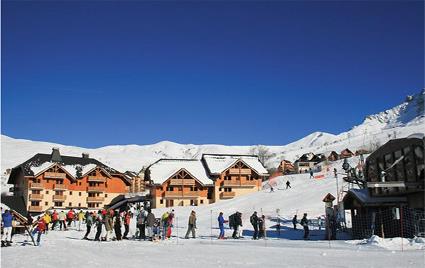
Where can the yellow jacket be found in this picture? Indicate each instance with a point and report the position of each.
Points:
(47, 218)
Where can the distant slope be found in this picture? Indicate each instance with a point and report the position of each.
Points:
(400, 121)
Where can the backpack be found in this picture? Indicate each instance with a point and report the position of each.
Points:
(232, 220)
(251, 219)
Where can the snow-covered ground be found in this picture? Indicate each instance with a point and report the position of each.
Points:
(287, 249)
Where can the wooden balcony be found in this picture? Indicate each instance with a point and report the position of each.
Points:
(54, 175)
(59, 198)
(177, 182)
(227, 195)
(95, 199)
(36, 197)
(34, 185)
(181, 195)
(237, 171)
(232, 183)
(60, 187)
(96, 189)
(35, 209)
(96, 179)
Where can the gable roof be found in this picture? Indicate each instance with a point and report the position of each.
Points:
(74, 166)
(163, 169)
(217, 163)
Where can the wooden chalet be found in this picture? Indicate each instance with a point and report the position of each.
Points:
(53, 180)
(362, 152)
(305, 163)
(234, 175)
(178, 182)
(333, 156)
(394, 176)
(286, 167)
(346, 153)
(137, 181)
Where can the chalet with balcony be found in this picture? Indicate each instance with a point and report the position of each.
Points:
(286, 167)
(234, 175)
(305, 162)
(178, 182)
(55, 181)
(395, 185)
(333, 156)
(137, 181)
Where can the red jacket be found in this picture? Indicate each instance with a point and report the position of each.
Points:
(55, 216)
(70, 214)
(41, 225)
(127, 219)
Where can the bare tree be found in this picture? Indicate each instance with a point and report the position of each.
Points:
(263, 153)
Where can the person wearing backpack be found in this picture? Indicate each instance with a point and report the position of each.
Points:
(254, 221)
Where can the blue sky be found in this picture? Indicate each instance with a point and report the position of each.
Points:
(238, 73)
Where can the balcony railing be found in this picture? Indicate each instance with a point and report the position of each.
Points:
(233, 183)
(35, 185)
(176, 182)
(60, 187)
(35, 208)
(181, 194)
(95, 199)
(54, 175)
(96, 188)
(227, 195)
(36, 197)
(96, 179)
(59, 197)
(237, 171)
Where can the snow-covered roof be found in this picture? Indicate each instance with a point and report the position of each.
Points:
(219, 163)
(163, 169)
(41, 167)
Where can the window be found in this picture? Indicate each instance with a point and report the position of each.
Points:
(91, 205)
(35, 203)
(97, 205)
(58, 204)
(106, 195)
(219, 189)
(161, 201)
(70, 204)
(47, 192)
(80, 183)
(170, 189)
(46, 203)
(227, 190)
(79, 193)
(36, 191)
(70, 192)
(202, 201)
(79, 204)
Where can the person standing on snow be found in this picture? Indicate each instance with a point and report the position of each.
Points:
(170, 223)
(47, 219)
(294, 222)
(55, 219)
(262, 227)
(6, 237)
(164, 222)
(41, 227)
(311, 174)
(221, 223)
(304, 223)
(109, 224)
(254, 221)
(99, 223)
(89, 223)
(141, 223)
(70, 217)
(191, 225)
(127, 218)
(150, 223)
(236, 222)
(117, 226)
(288, 185)
(80, 219)
(62, 218)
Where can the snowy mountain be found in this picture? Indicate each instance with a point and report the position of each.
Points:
(400, 121)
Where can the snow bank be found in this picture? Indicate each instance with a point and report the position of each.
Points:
(396, 243)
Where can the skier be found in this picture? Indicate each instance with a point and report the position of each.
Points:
(164, 222)
(89, 222)
(170, 223)
(62, 218)
(221, 223)
(29, 221)
(99, 223)
(288, 185)
(55, 218)
(6, 237)
(304, 223)
(141, 223)
(108, 221)
(41, 226)
(70, 217)
(47, 219)
(236, 221)
(150, 224)
(191, 225)
(311, 174)
(262, 227)
(127, 218)
(254, 221)
(295, 221)
(117, 226)
(80, 219)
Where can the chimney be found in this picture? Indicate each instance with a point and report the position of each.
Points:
(56, 156)
(85, 155)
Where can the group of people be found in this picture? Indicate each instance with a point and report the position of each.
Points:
(304, 223)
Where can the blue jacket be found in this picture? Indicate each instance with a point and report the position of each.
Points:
(220, 221)
(7, 219)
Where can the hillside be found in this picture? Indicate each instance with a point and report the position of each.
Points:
(400, 121)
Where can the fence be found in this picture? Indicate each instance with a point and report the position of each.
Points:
(393, 222)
